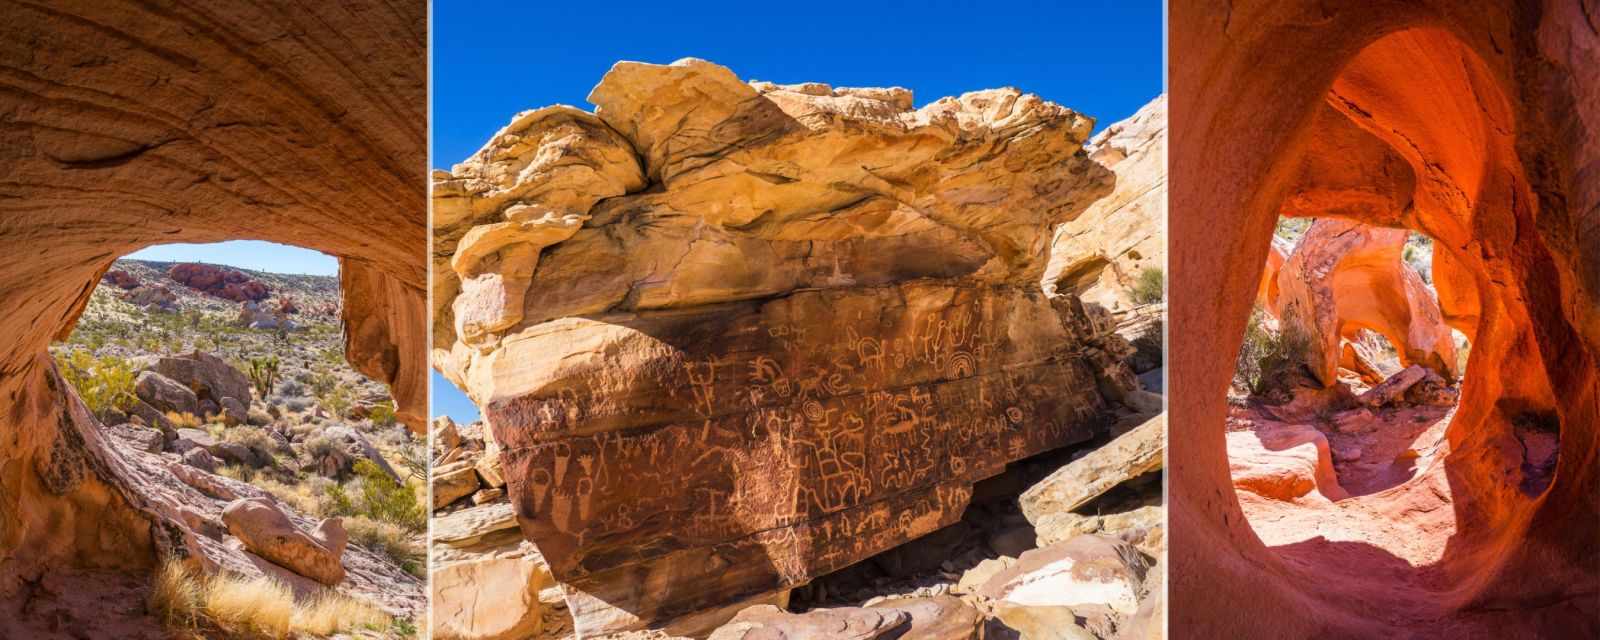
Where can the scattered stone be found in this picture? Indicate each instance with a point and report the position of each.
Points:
(201, 459)
(1394, 388)
(1358, 420)
(485, 496)
(940, 617)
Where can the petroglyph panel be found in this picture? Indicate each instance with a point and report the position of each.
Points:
(759, 445)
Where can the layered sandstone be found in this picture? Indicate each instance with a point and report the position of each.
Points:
(301, 123)
(1344, 277)
(733, 336)
(1490, 108)
(1099, 255)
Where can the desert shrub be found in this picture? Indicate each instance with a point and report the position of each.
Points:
(337, 401)
(297, 405)
(388, 539)
(373, 494)
(383, 414)
(184, 420)
(258, 441)
(1149, 287)
(105, 383)
(291, 388)
(1267, 356)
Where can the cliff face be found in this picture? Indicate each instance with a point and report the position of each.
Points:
(1474, 123)
(167, 129)
(733, 336)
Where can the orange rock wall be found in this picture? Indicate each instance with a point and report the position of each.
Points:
(1493, 106)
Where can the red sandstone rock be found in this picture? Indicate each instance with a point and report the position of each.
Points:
(121, 279)
(1492, 107)
(1344, 277)
(220, 282)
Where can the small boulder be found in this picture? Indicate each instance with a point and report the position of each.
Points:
(268, 532)
(454, 481)
(233, 412)
(164, 394)
(940, 617)
(201, 459)
(489, 598)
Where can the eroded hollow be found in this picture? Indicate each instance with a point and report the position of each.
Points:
(1415, 131)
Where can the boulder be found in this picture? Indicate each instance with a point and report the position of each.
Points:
(152, 298)
(453, 481)
(221, 282)
(767, 622)
(445, 434)
(266, 531)
(146, 439)
(1049, 590)
(209, 377)
(936, 617)
(1130, 455)
(201, 459)
(120, 279)
(974, 578)
(336, 450)
(704, 357)
(489, 599)
(467, 527)
(1394, 388)
(1141, 526)
(234, 412)
(165, 394)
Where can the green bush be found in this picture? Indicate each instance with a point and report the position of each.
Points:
(373, 494)
(105, 383)
(1150, 286)
(383, 415)
(1267, 356)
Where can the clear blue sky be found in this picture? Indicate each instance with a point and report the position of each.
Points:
(245, 254)
(494, 59)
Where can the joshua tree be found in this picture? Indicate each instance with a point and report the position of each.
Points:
(264, 374)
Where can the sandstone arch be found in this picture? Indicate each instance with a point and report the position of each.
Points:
(1495, 114)
(128, 125)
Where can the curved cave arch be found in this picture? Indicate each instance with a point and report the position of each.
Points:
(131, 125)
(1484, 102)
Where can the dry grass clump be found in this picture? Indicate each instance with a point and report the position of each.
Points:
(252, 607)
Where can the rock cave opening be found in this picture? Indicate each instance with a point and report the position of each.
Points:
(1404, 490)
(221, 378)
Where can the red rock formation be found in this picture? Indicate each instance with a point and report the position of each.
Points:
(301, 123)
(1493, 107)
(774, 361)
(120, 279)
(1345, 277)
(219, 282)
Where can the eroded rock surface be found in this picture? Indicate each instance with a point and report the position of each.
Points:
(1346, 276)
(791, 332)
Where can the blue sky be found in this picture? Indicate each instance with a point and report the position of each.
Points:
(494, 59)
(245, 254)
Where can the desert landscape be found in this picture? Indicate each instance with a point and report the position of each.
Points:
(1386, 401)
(762, 360)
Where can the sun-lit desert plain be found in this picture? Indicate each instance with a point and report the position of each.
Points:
(228, 393)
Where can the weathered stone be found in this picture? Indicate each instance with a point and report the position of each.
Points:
(467, 526)
(1045, 593)
(201, 459)
(445, 434)
(209, 377)
(488, 599)
(1099, 255)
(164, 394)
(266, 531)
(1346, 276)
(452, 482)
(974, 578)
(823, 316)
(1140, 523)
(1130, 455)
(1394, 388)
(936, 618)
(1283, 463)
(766, 622)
